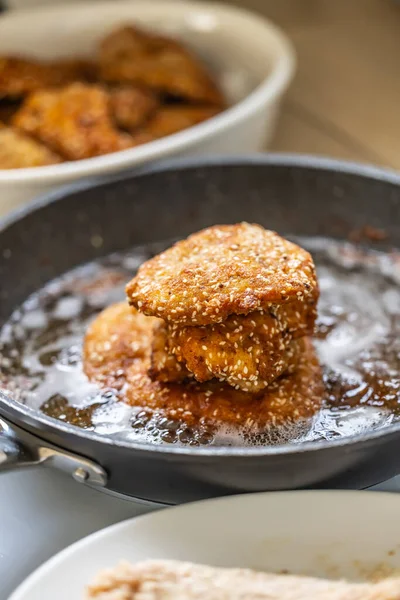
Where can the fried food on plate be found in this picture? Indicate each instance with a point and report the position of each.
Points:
(170, 579)
(20, 76)
(130, 55)
(132, 106)
(117, 355)
(171, 119)
(224, 270)
(19, 151)
(75, 121)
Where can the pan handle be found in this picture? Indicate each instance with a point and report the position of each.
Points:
(15, 455)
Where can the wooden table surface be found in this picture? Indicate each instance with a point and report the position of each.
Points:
(344, 101)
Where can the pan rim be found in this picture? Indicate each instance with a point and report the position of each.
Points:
(302, 161)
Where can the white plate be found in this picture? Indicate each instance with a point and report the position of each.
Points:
(331, 534)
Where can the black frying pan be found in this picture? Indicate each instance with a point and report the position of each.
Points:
(293, 195)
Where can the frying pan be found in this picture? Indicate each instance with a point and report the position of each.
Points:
(294, 195)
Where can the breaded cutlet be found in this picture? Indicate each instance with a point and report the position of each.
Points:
(130, 55)
(20, 76)
(117, 356)
(234, 298)
(164, 366)
(223, 270)
(75, 121)
(176, 580)
(248, 352)
(19, 151)
(131, 107)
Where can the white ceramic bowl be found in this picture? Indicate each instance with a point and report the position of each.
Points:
(335, 534)
(250, 57)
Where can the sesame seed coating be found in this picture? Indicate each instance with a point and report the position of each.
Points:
(107, 347)
(245, 351)
(220, 271)
(164, 366)
(111, 361)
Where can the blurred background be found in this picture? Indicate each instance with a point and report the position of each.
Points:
(344, 101)
(345, 97)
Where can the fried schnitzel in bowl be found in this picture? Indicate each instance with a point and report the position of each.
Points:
(245, 60)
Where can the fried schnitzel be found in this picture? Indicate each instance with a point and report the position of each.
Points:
(117, 356)
(223, 270)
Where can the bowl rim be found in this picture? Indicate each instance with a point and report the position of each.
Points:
(267, 505)
(42, 423)
(267, 91)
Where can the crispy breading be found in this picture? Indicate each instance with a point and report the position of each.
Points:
(224, 270)
(20, 76)
(171, 119)
(117, 337)
(110, 361)
(164, 366)
(177, 580)
(130, 55)
(131, 106)
(19, 151)
(146, 339)
(74, 121)
(248, 352)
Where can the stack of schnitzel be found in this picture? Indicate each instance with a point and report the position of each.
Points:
(216, 329)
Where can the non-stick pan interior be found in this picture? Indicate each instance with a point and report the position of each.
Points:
(295, 196)
(83, 223)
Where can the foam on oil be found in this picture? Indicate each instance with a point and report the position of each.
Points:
(357, 339)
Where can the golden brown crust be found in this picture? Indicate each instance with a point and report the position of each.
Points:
(248, 352)
(109, 362)
(130, 55)
(171, 119)
(74, 121)
(117, 337)
(220, 271)
(20, 76)
(63, 109)
(131, 107)
(19, 151)
(164, 366)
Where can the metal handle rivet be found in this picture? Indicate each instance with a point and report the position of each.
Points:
(80, 475)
